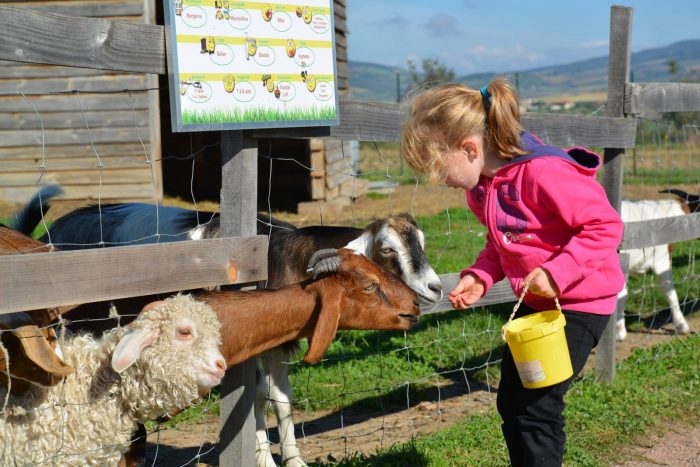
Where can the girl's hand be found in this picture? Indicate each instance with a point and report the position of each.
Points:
(541, 283)
(469, 289)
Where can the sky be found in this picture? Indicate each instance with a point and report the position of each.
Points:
(474, 36)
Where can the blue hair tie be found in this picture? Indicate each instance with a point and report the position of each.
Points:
(486, 98)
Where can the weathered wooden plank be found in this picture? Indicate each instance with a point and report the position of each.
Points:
(103, 8)
(93, 192)
(74, 102)
(662, 97)
(17, 70)
(501, 292)
(68, 277)
(69, 136)
(79, 176)
(582, 130)
(80, 41)
(642, 234)
(129, 151)
(100, 83)
(382, 121)
(52, 120)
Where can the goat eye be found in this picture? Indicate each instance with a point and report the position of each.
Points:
(386, 250)
(371, 288)
(184, 333)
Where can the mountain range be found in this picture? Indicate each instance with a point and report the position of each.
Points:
(371, 81)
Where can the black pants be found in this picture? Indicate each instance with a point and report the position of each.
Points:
(533, 424)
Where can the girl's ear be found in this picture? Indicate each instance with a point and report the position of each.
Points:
(470, 146)
(129, 348)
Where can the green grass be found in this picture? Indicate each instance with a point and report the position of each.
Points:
(367, 369)
(603, 420)
(259, 114)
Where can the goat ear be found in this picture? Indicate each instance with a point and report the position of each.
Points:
(40, 352)
(129, 348)
(326, 326)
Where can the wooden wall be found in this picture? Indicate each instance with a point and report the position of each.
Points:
(94, 145)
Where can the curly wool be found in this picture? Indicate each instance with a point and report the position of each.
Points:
(90, 417)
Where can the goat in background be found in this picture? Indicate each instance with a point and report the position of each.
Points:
(655, 258)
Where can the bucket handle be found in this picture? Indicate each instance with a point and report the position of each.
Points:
(526, 286)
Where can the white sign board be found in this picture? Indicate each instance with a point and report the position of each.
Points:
(237, 65)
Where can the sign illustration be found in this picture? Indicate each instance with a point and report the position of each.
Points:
(238, 64)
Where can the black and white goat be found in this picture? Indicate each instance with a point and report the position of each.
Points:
(655, 258)
(396, 243)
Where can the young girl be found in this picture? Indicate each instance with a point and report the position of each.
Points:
(550, 226)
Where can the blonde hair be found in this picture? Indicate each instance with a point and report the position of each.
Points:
(440, 118)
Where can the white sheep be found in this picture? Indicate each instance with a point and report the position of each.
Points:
(157, 365)
(654, 258)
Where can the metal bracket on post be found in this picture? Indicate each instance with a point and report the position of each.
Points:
(239, 191)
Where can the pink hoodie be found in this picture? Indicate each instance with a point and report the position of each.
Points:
(547, 209)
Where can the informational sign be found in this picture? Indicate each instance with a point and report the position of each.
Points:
(237, 65)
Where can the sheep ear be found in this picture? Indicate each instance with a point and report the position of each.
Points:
(326, 327)
(129, 348)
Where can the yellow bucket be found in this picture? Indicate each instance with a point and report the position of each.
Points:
(539, 348)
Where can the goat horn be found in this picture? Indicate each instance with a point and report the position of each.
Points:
(674, 191)
(323, 262)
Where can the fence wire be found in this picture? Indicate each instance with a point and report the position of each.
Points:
(373, 389)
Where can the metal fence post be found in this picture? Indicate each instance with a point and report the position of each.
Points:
(239, 191)
(618, 77)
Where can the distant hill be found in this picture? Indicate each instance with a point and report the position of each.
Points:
(371, 81)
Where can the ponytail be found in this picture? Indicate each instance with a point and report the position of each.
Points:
(440, 118)
(503, 119)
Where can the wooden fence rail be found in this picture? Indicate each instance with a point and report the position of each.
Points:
(72, 277)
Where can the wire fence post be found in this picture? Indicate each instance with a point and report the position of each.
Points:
(618, 77)
(239, 192)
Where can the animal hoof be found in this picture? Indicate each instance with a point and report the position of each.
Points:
(683, 328)
(621, 331)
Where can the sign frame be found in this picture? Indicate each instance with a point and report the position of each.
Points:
(181, 121)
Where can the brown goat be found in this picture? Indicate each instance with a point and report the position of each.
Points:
(360, 295)
(31, 341)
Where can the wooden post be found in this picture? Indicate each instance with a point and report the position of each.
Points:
(239, 191)
(618, 77)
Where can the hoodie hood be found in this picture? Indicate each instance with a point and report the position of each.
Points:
(586, 161)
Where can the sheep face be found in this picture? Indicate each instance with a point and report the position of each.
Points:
(173, 347)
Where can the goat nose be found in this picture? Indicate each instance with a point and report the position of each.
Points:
(220, 364)
(435, 287)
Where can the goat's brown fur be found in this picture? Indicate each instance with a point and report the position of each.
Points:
(31, 341)
(359, 296)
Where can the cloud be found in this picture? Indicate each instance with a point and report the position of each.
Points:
(595, 44)
(442, 24)
(481, 57)
(396, 21)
